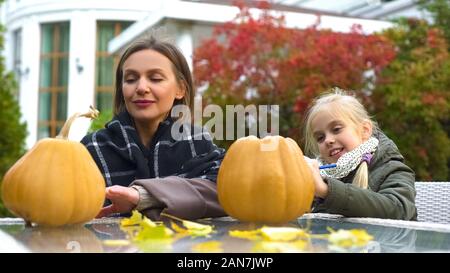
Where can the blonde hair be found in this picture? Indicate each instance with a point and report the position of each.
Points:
(350, 111)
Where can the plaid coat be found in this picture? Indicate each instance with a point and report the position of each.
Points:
(122, 158)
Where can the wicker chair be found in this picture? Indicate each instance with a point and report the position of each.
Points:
(433, 202)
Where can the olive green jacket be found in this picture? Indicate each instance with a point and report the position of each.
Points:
(391, 191)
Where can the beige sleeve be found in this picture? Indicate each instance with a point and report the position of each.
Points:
(145, 199)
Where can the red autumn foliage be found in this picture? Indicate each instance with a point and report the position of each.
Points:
(261, 61)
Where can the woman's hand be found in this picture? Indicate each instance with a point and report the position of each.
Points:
(123, 199)
(320, 185)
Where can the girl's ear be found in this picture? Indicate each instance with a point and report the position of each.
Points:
(367, 129)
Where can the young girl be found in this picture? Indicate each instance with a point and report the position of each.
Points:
(144, 165)
(370, 179)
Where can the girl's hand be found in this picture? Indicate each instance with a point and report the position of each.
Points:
(123, 199)
(320, 185)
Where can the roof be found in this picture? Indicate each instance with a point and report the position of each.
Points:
(201, 11)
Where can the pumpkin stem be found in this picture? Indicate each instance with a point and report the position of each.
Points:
(64, 133)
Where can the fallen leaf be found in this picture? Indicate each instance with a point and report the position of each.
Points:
(135, 219)
(280, 247)
(284, 234)
(246, 234)
(191, 228)
(349, 238)
(153, 233)
(156, 245)
(208, 247)
(177, 228)
(116, 242)
(147, 223)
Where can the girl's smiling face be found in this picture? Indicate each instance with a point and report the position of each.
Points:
(335, 137)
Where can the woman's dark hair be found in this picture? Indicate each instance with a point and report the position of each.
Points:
(179, 65)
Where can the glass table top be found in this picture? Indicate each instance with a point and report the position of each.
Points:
(107, 235)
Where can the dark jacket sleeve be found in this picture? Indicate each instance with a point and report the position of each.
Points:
(186, 198)
(393, 199)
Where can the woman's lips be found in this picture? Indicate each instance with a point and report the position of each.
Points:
(143, 103)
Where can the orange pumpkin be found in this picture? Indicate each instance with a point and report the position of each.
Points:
(56, 182)
(265, 180)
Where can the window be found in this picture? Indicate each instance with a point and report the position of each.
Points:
(106, 63)
(53, 80)
(17, 58)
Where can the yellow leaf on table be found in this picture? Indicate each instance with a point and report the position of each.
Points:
(145, 223)
(199, 233)
(135, 219)
(283, 234)
(280, 234)
(177, 228)
(193, 225)
(192, 228)
(197, 229)
(208, 247)
(349, 238)
(116, 242)
(280, 247)
(246, 234)
(152, 233)
(147, 235)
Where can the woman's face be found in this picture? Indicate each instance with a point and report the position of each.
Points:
(149, 86)
(336, 137)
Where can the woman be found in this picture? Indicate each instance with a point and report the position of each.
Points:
(144, 165)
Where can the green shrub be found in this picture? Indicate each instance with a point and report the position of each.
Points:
(412, 101)
(99, 123)
(12, 137)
